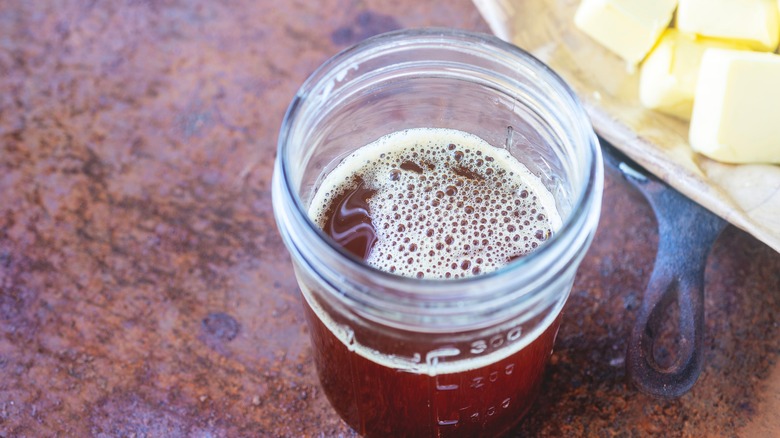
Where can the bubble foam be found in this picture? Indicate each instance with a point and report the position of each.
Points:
(446, 203)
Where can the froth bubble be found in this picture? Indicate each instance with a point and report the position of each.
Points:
(503, 194)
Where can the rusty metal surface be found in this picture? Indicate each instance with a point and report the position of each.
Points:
(144, 290)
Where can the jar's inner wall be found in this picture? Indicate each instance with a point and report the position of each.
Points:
(442, 80)
(405, 98)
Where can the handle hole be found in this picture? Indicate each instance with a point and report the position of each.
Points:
(665, 343)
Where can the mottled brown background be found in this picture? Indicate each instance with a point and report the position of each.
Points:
(144, 290)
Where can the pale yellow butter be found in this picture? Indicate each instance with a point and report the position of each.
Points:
(755, 23)
(736, 111)
(668, 76)
(629, 28)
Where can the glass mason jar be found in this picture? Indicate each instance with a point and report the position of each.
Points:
(402, 356)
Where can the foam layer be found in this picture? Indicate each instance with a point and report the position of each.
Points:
(445, 203)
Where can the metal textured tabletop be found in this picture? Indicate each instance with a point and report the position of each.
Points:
(144, 290)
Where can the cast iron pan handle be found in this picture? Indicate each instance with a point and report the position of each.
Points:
(686, 232)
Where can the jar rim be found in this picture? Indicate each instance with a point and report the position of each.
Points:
(436, 289)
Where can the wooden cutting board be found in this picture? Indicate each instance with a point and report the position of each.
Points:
(747, 196)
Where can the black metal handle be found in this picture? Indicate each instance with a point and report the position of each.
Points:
(686, 233)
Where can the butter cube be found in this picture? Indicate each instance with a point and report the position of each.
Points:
(736, 111)
(667, 81)
(629, 28)
(755, 23)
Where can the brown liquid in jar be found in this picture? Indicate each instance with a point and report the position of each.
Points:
(430, 210)
(381, 401)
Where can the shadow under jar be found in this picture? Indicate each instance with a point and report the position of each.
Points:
(400, 356)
